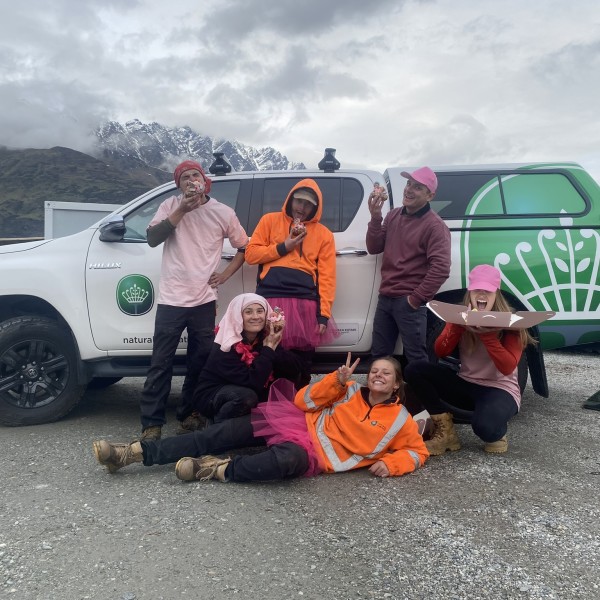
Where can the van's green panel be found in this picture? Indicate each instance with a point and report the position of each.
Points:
(555, 265)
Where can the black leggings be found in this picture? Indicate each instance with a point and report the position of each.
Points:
(280, 461)
(440, 389)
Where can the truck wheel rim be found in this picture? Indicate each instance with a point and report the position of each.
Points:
(33, 373)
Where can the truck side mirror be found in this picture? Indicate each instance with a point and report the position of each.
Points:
(113, 229)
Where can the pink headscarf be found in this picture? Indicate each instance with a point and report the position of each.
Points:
(231, 324)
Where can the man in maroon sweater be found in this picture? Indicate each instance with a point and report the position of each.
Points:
(415, 243)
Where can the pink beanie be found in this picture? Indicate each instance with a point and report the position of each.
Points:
(187, 165)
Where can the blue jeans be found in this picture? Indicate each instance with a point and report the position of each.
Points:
(168, 326)
(393, 317)
(441, 390)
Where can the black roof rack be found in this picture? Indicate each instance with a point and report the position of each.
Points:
(219, 166)
(329, 163)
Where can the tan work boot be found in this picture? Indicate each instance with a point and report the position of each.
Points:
(117, 456)
(498, 447)
(203, 468)
(152, 433)
(444, 436)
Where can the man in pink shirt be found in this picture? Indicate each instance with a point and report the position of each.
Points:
(192, 226)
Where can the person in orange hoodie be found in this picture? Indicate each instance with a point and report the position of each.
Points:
(333, 425)
(295, 255)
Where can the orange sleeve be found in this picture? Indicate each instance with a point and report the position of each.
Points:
(407, 450)
(326, 275)
(261, 248)
(317, 396)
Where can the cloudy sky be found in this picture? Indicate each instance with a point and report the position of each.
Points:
(386, 82)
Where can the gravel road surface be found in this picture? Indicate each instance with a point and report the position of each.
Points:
(469, 525)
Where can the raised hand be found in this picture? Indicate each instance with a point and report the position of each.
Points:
(273, 336)
(345, 371)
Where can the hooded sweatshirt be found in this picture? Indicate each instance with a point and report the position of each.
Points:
(307, 271)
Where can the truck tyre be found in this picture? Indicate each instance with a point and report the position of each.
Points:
(38, 372)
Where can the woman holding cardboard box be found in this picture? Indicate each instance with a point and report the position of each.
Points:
(486, 383)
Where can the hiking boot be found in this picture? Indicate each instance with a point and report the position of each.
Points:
(202, 469)
(152, 433)
(498, 447)
(117, 456)
(444, 436)
(194, 422)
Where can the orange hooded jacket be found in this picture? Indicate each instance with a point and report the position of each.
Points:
(308, 271)
(348, 433)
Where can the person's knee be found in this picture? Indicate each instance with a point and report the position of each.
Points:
(292, 459)
(487, 430)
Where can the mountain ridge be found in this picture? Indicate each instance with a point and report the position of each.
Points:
(126, 161)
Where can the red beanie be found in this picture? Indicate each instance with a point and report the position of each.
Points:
(186, 165)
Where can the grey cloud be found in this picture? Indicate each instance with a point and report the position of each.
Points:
(463, 139)
(294, 82)
(237, 19)
(44, 115)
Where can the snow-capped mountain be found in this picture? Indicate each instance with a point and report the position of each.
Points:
(161, 147)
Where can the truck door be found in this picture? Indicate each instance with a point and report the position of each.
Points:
(122, 277)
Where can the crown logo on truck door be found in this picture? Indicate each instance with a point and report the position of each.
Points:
(135, 295)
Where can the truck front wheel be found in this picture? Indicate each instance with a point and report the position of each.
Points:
(38, 372)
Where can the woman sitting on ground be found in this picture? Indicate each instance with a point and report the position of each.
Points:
(486, 383)
(246, 357)
(333, 425)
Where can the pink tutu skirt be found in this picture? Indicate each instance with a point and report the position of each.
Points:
(279, 421)
(301, 327)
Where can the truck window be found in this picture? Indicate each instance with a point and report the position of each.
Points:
(341, 198)
(456, 191)
(540, 194)
(225, 191)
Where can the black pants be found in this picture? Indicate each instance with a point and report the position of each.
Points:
(169, 324)
(393, 317)
(280, 461)
(440, 389)
(229, 402)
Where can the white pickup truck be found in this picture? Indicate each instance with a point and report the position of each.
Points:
(80, 309)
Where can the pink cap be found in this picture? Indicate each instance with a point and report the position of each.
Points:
(484, 277)
(423, 175)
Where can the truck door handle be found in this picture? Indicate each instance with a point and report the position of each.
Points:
(228, 257)
(351, 252)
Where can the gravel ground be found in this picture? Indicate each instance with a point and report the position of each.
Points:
(469, 525)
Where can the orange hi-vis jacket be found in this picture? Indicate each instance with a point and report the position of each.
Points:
(348, 433)
(308, 271)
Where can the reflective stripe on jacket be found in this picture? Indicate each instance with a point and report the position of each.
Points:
(349, 433)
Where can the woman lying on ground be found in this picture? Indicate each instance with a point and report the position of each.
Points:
(246, 357)
(332, 425)
(487, 382)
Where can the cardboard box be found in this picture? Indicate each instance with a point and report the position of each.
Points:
(461, 315)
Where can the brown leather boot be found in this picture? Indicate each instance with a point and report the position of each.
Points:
(444, 435)
(117, 456)
(203, 468)
(152, 433)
